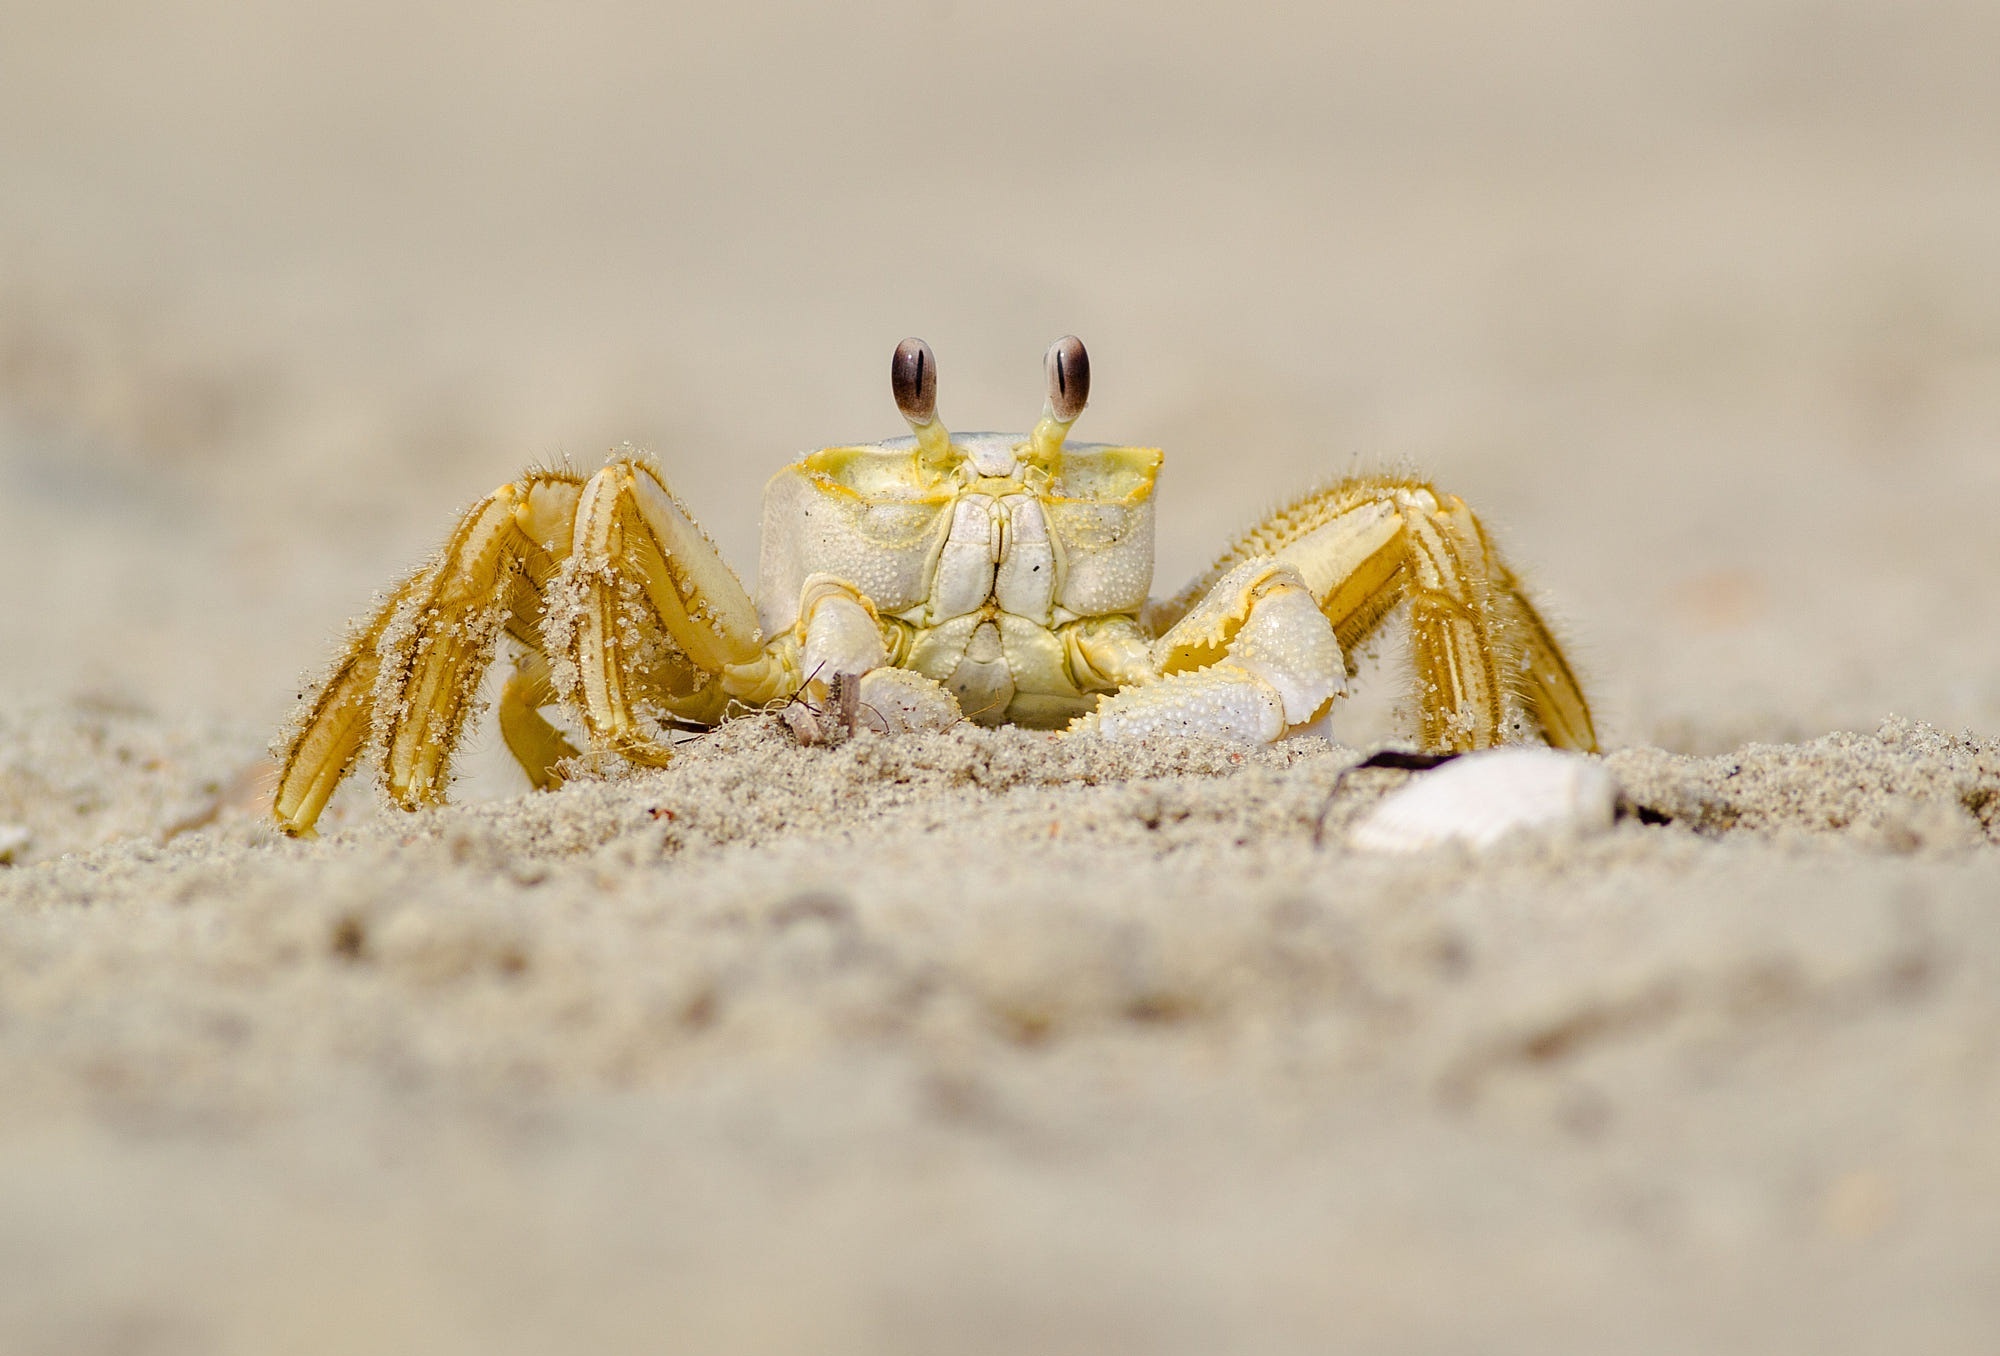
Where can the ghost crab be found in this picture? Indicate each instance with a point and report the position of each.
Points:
(924, 579)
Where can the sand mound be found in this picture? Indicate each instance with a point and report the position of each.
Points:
(915, 1027)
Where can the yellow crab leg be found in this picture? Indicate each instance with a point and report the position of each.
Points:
(1451, 645)
(536, 745)
(633, 537)
(1476, 641)
(436, 648)
(1514, 645)
(410, 675)
(322, 746)
(1549, 688)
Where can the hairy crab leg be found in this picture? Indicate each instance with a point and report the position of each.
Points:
(1477, 642)
(326, 739)
(409, 677)
(1549, 687)
(1480, 649)
(1459, 702)
(640, 565)
(436, 650)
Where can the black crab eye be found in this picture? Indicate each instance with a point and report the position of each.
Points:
(913, 377)
(1069, 377)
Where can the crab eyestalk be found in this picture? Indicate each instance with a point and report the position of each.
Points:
(1068, 367)
(913, 377)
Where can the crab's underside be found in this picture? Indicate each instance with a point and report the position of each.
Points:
(923, 580)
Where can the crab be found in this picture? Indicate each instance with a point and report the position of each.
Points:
(919, 581)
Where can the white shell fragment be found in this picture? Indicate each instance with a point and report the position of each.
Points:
(14, 841)
(1481, 798)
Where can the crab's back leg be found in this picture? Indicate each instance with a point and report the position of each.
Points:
(641, 572)
(536, 745)
(1480, 649)
(410, 675)
(327, 736)
(1452, 643)
(1548, 685)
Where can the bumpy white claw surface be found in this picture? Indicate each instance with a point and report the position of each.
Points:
(1221, 700)
(897, 701)
(883, 700)
(1481, 798)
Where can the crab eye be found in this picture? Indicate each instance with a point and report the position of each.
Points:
(1069, 377)
(913, 377)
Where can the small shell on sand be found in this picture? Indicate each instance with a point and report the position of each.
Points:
(1481, 798)
(14, 840)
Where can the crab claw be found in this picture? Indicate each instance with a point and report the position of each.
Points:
(884, 700)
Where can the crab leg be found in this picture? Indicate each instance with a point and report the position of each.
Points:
(1549, 688)
(1480, 649)
(640, 570)
(410, 676)
(323, 744)
(536, 745)
(436, 649)
(1452, 645)
(1481, 652)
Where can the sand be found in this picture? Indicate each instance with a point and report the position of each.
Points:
(988, 1041)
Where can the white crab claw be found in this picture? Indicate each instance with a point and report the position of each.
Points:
(1483, 797)
(884, 700)
(898, 701)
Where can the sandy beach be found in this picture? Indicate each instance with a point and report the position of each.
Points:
(988, 1040)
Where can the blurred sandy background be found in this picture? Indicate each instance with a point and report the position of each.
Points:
(1699, 304)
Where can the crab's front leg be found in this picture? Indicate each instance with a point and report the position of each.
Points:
(1253, 658)
(647, 614)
